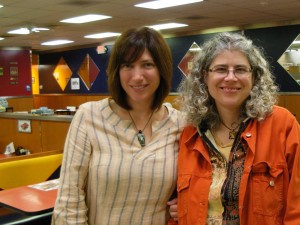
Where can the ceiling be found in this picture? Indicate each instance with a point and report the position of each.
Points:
(201, 17)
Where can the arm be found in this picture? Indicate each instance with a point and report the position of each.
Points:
(292, 215)
(70, 207)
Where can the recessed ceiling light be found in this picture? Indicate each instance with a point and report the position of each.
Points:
(38, 29)
(57, 42)
(102, 35)
(168, 26)
(159, 4)
(85, 18)
(1, 38)
(25, 30)
(1, 6)
(19, 31)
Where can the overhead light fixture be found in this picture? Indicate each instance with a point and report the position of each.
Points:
(167, 26)
(103, 35)
(38, 29)
(1, 6)
(57, 42)
(296, 42)
(159, 4)
(1, 38)
(19, 31)
(25, 30)
(85, 18)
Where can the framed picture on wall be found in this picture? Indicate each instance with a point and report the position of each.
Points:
(14, 71)
(75, 84)
(24, 126)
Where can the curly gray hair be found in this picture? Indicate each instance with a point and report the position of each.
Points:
(196, 101)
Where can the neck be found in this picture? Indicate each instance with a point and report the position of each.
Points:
(143, 107)
(230, 118)
(141, 121)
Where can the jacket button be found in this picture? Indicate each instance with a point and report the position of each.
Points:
(272, 183)
(248, 135)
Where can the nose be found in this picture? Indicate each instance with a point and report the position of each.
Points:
(230, 74)
(137, 73)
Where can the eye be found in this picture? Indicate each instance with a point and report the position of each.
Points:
(126, 66)
(148, 65)
(241, 70)
(221, 70)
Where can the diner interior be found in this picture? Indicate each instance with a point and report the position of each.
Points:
(50, 65)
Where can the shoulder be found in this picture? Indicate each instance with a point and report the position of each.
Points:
(189, 131)
(92, 104)
(279, 120)
(281, 113)
(176, 116)
(93, 108)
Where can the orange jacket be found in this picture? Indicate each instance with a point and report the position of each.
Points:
(269, 192)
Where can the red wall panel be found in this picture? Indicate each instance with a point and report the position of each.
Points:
(15, 73)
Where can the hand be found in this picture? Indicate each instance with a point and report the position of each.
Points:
(173, 209)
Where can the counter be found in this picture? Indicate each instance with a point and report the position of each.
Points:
(28, 116)
(41, 133)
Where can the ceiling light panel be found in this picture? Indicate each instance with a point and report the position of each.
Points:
(85, 18)
(57, 42)
(102, 35)
(167, 26)
(19, 31)
(25, 30)
(159, 4)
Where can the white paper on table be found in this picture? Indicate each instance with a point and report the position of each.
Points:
(47, 185)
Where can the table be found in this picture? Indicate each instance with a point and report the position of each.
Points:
(31, 199)
(5, 156)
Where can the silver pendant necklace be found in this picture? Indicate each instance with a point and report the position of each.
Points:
(140, 135)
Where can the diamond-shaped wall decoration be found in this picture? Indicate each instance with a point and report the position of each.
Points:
(290, 60)
(186, 64)
(88, 71)
(62, 73)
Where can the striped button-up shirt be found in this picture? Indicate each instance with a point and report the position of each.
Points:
(107, 178)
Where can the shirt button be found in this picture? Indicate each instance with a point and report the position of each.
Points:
(248, 135)
(272, 183)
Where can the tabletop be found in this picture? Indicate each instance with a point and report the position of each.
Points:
(31, 199)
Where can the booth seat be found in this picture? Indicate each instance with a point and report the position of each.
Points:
(26, 171)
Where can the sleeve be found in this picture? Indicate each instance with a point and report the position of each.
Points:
(292, 215)
(70, 207)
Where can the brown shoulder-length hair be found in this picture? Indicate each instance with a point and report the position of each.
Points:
(127, 49)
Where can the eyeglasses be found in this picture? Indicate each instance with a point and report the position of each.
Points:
(224, 71)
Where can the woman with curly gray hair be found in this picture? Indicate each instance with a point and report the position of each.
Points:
(239, 158)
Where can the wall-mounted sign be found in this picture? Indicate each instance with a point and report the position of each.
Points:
(24, 126)
(14, 71)
(75, 84)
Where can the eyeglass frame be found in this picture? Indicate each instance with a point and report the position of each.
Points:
(247, 70)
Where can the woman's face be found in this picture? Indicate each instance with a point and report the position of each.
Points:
(140, 79)
(230, 79)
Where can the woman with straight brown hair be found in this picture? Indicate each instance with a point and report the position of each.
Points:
(120, 156)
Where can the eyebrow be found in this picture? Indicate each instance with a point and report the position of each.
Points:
(225, 65)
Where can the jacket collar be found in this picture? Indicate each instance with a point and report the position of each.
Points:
(194, 141)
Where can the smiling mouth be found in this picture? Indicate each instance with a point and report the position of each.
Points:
(139, 87)
(230, 89)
